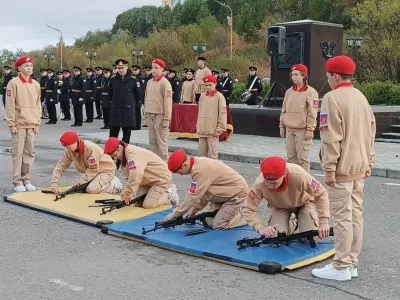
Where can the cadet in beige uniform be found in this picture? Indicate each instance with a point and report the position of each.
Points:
(211, 120)
(89, 159)
(299, 117)
(188, 93)
(202, 72)
(214, 182)
(288, 189)
(158, 109)
(348, 128)
(23, 114)
(145, 173)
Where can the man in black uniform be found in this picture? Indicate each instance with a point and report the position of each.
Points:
(51, 96)
(64, 92)
(125, 94)
(141, 80)
(219, 84)
(91, 88)
(256, 88)
(227, 85)
(176, 86)
(43, 80)
(183, 79)
(7, 77)
(104, 97)
(99, 78)
(78, 94)
(114, 70)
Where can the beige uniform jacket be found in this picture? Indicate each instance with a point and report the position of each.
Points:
(211, 120)
(158, 98)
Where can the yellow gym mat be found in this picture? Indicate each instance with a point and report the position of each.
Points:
(75, 207)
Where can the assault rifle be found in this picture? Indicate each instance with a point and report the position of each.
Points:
(199, 219)
(108, 205)
(281, 239)
(79, 188)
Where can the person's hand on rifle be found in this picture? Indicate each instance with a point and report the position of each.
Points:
(192, 212)
(268, 232)
(127, 199)
(323, 230)
(169, 217)
(55, 190)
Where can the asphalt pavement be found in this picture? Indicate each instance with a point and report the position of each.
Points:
(45, 257)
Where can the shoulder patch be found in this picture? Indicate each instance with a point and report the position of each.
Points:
(9, 93)
(193, 187)
(314, 185)
(323, 122)
(224, 109)
(131, 164)
(138, 84)
(316, 103)
(169, 92)
(252, 194)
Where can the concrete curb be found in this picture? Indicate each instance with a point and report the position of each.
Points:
(376, 172)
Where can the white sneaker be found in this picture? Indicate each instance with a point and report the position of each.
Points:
(29, 187)
(353, 271)
(117, 186)
(328, 272)
(19, 188)
(173, 196)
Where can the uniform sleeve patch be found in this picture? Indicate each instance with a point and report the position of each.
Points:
(252, 194)
(316, 103)
(138, 84)
(224, 108)
(193, 187)
(8, 92)
(323, 118)
(131, 164)
(169, 92)
(314, 185)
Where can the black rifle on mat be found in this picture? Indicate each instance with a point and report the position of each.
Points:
(79, 188)
(281, 239)
(108, 205)
(196, 219)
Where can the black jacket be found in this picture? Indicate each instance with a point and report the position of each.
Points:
(105, 88)
(42, 83)
(65, 90)
(176, 89)
(51, 95)
(255, 91)
(7, 79)
(78, 90)
(99, 79)
(125, 94)
(227, 88)
(91, 89)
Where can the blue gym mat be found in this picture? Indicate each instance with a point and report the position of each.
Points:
(221, 246)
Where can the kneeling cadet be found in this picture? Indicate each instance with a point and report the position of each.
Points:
(145, 173)
(288, 189)
(214, 182)
(89, 159)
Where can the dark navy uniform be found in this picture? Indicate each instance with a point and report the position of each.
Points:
(140, 82)
(105, 100)
(256, 89)
(51, 97)
(78, 95)
(176, 88)
(227, 86)
(219, 84)
(99, 79)
(91, 89)
(6, 80)
(64, 96)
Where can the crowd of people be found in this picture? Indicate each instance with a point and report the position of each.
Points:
(347, 129)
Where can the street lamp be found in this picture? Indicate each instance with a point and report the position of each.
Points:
(48, 57)
(136, 55)
(230, 23)
(61, 44)
(91, 55)
(354, 43)
(200, 48)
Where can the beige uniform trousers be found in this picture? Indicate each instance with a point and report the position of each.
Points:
(346, 201)
(102, 183)
(306, 219)
(229, 215)
(158, 136)
(157, 195)
(23, 155)
(209, 146)
(298, 149)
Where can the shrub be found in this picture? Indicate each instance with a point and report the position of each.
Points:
(240, 88)
(380, 93)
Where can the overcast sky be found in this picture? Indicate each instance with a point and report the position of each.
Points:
(23, 22)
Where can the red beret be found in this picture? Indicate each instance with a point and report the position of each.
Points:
(210, 78)
(273, 167)
(176, 160)
(23, 59)
(159, 62)
(299, 67)
(111, 145)
(68, 138)
(340, 65)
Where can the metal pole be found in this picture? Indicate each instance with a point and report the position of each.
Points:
(61, 44)
(231, 25)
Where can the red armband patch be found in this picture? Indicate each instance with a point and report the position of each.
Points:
(316, 103)
(314, 185)
(193, 187)
(252, 194)
(224, 109)
(92, 163)
(169, 93)
(131, 164)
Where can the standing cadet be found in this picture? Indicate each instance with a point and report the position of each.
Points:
(158, 109)
(7, 77)
(214, 182)
(91, 89)
(23, 109)
(43, 81)
(256, 86)
(105, 99)
(299, 117)
(125, 94)
(78, 94)
(227, 85)
(188, 94)
(145, 173)
(176, 86)
(88, 158)
(64, 92)
(99, 77)
(202, 72)
(51, 96)
(288, 189)
(348, 128)
(138, 112)
(211, 120)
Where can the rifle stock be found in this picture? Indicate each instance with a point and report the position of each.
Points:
(181, 221)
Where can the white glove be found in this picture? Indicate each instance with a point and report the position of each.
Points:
(80, 99)
(59, 92)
